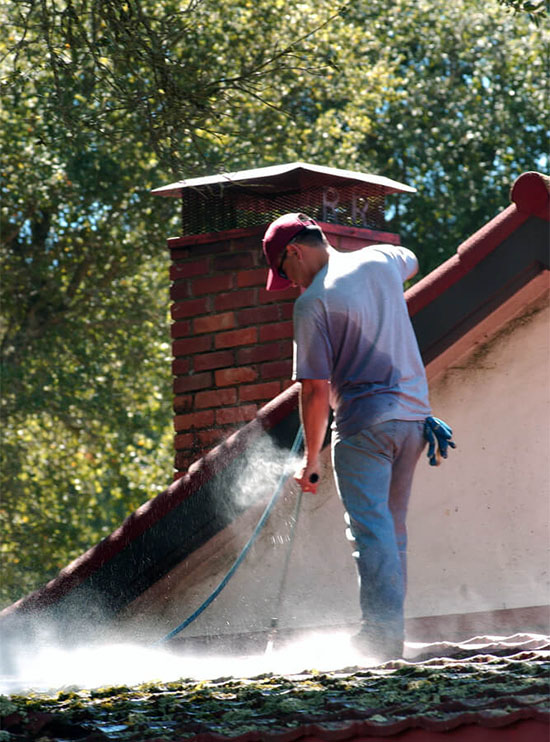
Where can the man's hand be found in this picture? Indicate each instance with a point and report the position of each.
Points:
(307, 477)
(438, 434)
(314, 409)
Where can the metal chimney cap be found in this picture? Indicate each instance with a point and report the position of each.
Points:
(276, 178)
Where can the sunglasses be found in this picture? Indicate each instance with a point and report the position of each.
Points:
(280, 269)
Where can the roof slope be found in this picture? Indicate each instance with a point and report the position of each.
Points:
(480, 691)
(486, 270)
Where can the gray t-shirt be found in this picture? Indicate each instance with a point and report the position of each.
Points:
(352, 327)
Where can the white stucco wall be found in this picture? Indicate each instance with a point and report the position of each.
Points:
(479, 529)
(479, 524)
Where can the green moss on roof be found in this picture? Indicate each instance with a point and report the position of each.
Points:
(399, 691)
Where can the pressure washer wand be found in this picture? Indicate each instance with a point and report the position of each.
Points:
(282, 585)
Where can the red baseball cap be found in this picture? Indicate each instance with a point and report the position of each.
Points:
(276, 238)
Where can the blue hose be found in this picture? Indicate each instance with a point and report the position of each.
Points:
(282, 480)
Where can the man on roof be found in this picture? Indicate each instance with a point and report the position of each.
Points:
(355, 351)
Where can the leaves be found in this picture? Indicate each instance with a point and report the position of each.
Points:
(104, 101)
(536, 11)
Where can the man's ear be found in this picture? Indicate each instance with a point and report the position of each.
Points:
(296, 249)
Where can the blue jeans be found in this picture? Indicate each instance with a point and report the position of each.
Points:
(374, 470)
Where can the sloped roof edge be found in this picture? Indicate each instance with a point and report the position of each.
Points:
(530, 195)
(525, 723)
(153, 510)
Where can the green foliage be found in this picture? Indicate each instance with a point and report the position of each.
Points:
(536, 11)
(449, 98)
(467, 116)
(103, 101)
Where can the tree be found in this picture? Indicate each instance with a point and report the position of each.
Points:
(535, 10)
(467, 117)
(449, 98)
(105, 100)
(102, 101)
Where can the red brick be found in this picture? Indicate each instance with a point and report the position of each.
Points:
(183, 461)
(210, 437)
(246, 336)
(244, 413)
(233, 261)
(197, 249)
(182, 309)
(214, 323)
(213, 360)
(249, 242)
(259, 391)
(286, 309)
(192, 382)
(180, 366)
(180, 254)
(183, 441)
(276, 370)
(183, 403)
(209, 248)
(235, 299)
(180, 329)
(203, 419)
(256, 277)
(215, 398)
(187, 270)
(212, 284)
(191, 345)
(257, 315)
(276, 332)
(267, 297)
(229, 376)
(259, 353)
(179, 291)
(286, 349)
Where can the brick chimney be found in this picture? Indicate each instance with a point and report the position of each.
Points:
(231, 339)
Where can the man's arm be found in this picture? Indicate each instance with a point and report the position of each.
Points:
(405, 259)
(314, 412)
